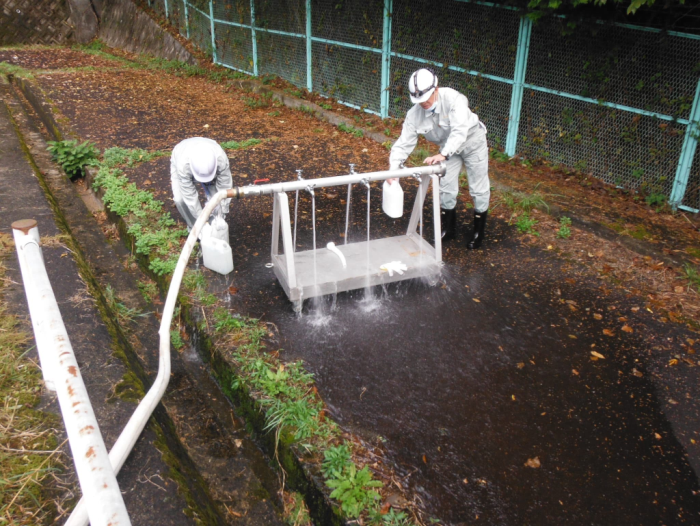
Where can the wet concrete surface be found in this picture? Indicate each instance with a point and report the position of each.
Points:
(470, 381)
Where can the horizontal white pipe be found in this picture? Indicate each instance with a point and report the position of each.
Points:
(291, 186)
(98, 481)
(127, 439)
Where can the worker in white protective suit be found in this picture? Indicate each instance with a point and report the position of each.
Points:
(198, 160)
(443, 116)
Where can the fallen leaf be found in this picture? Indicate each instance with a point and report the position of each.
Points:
(238, 442)
(622, 319)
(608, 332)
(465, 481)
(574, 371)
(521, 365)
(478, 301)
(232, 290)
(635, 309)
(627, 328)
(533, 463)
(673, 361)
(597, 355)
(597, 316)
(637, 373)
(425, 459)
(672, 401)
(572, 336)
(512, 396)
(678, 289)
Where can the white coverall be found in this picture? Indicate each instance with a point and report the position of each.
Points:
(462, 139)
(183, 182)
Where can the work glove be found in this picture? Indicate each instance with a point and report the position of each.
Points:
(225, 205)
(393, 266)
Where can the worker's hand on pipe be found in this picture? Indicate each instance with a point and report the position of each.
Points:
(435, 159)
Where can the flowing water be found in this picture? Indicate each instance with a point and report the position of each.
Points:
(347, 212)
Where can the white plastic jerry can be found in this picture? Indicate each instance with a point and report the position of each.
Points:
(392, 199)
(217, 255)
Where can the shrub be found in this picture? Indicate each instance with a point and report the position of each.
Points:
(73, 156)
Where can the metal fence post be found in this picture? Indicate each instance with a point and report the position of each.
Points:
(386, 60)
(516, 99)
(213, 34)
(167, 16)
(309, 66)
(255, 41)
(685, 162)
(187, 19)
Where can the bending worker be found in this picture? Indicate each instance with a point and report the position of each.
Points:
(443, 116)
(203, 161)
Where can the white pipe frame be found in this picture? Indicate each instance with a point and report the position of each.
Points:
(98, 480)
(125, 443)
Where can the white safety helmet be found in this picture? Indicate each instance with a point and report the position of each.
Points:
(421, 85)
(203, 163)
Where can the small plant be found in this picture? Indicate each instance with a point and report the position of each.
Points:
(499, 155)
(148, 289)
(295, 511)
(176, 340)
(274, 113)
(351, 130)
(387, 132)
(564, 231)
(336, 460)
(247, 143)
(655, 199)
(125, 315)
(419, 155)
(73, 156)
(353, 489)
(692, 275)
(225, 322)
(306, 109)
(326, 106)
(526, 224)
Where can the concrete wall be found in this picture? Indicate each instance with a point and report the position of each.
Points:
(125, 26)
(34, 22)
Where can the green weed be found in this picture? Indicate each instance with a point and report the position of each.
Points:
(336, 460)
(125, 315)
(564, 231)
(224, 321)
(655, 199)
(692, 275)
(262, 100)
(176, 340)
(326, 106)
(16, 71)
(499, 155)
(306, 109)
(418, 155)
(353, 489)
(351, 130)
(295, 511)
(155, 232)
(73, 156)
(149, 290)
(247, 143)
(526, 224)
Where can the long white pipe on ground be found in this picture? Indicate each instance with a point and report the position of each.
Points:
(132, 430)
(97, 478)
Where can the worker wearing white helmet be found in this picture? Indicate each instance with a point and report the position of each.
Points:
(198, 160)
(443, 116)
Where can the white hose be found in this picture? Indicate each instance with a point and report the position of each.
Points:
(331, 246)
(132, 431)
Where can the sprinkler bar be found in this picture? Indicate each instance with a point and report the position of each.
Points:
(291, 186)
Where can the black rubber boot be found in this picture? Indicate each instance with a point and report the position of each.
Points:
(448, 221)
(478, 234)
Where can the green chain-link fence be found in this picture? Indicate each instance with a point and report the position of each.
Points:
(615, 100)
